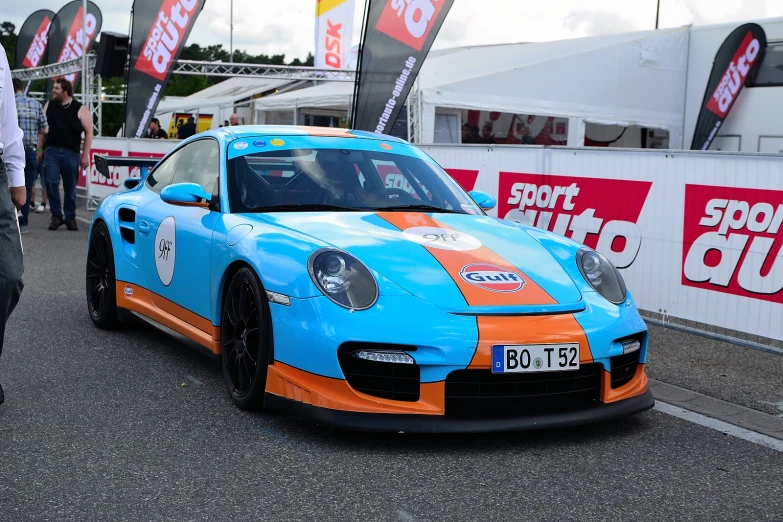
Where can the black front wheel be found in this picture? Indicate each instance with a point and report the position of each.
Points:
(245, 337)
(100, 279)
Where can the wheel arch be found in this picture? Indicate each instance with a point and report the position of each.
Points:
(228, 274)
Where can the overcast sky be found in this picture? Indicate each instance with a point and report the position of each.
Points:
(287, 26)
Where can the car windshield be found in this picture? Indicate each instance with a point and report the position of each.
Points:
(342, 180)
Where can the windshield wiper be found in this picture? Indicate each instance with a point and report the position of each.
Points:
(422, 208)
(307, 207)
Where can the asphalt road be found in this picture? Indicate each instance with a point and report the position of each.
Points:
(132, 425)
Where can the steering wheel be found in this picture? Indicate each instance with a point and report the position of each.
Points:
(402, 197)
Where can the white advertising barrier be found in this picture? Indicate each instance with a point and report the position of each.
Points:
(697, 236)
(98, 187)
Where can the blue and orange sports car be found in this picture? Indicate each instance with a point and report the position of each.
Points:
(344, 277)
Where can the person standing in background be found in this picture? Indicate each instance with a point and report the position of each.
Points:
(11, 181)
(32, 121)
(68, 119)
(188, 129)
(234, 119)
(156, 133)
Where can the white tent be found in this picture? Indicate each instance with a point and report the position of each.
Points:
(221, 99)
(620, 79)
(328, 98)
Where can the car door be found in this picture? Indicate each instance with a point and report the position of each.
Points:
(175, 239)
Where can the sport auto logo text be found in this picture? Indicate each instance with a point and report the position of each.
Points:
(731, 241)
(409, 21)
(600, 213)
(166, 36)
(734, 78)
(38, 46)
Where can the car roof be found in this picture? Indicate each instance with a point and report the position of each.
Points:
(249, 131)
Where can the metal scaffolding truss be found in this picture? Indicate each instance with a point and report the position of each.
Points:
(94, 98)
(52, 71)
(413, 104)
(252, 70)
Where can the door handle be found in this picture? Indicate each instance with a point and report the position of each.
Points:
(144, 228)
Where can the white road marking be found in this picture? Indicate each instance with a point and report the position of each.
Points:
(718, 425)
(193, 379)
(84, 220)
(404, 516)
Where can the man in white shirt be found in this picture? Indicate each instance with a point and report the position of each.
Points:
(12, 197)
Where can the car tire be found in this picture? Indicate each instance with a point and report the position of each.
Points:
(100, 280)
(245, 339)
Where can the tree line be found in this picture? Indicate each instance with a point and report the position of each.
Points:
(179, 85)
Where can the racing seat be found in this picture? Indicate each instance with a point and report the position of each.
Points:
(338, 180)
(251, 189)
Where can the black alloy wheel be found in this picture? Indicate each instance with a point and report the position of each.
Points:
(245, 336)
(100, 281)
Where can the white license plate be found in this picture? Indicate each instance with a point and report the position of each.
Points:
(535, 358)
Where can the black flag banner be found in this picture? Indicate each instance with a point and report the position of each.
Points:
(32, 41)
(160, 30)
(69, 39)
(736, 64)
(398, 35)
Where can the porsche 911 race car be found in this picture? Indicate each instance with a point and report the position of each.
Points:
(345, 278)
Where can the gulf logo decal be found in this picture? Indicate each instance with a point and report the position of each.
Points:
(492, 278)
(483, 277)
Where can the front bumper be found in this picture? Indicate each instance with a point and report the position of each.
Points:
(383, 422)
(333, 402)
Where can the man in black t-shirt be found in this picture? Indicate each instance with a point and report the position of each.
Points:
(187, 130)
(156, 133)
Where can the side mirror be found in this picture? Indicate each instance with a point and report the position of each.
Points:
(483, 200)
(186, 195)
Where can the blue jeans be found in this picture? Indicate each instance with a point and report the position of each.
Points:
(65, 163)
(30, 174)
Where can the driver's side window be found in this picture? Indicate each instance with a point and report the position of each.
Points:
(200, 164)
(163, 175)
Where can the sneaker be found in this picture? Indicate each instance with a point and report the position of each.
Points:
(56, 223)
(71, 224)
(23, 229)
(40, 209)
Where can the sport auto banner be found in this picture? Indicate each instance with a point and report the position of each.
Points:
(69, 39)
(736, 63)
(160, 30)
(32, 41)
(397, 38)
(333, 31)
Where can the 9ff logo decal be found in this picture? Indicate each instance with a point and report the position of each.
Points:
(441, 238)
(409, 21)
(166, 250)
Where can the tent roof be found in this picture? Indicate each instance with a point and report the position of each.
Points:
(225, 93)
(335, 95)
(628, 78)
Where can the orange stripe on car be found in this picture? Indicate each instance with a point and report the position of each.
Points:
(325, 392)
(169, 314)
(328, 131)
(453, 262)
(537, 329)
(499, 330)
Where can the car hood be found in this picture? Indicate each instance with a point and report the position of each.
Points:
(458, 262)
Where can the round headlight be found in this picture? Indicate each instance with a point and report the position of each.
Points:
(343, 279)
(602, 275)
